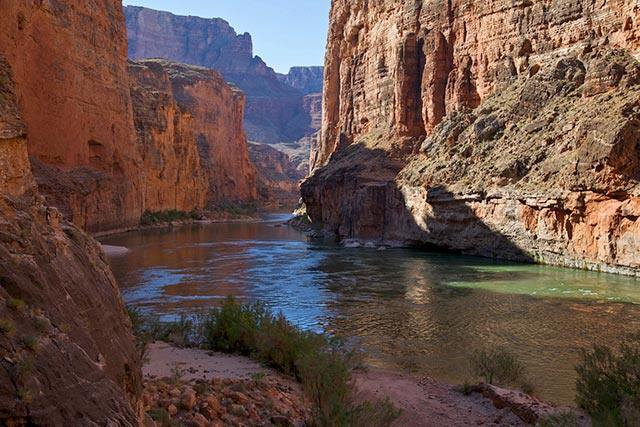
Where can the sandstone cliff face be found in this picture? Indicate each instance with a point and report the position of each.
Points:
(402, 66)
(72, 87)
(308, 80)
(190, 137)
(166, 139)
(66, 350)
(273, 110)
(217, 111)
(278, 176)
(542, 170)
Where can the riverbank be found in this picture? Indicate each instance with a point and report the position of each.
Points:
(213, 389)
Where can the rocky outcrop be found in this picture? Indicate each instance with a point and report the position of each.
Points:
(278, 176)
(274, 110)
(66, 350)
(72, 86)
(402, 66)
(502, 131)
(189, 124)
(308, 80)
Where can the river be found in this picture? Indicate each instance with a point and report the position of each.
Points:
(410, 310)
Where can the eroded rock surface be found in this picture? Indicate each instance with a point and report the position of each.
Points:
(72, 87)
(66, 351)
(190, 136)
(503, 131)
(274, 111)
(283, 111)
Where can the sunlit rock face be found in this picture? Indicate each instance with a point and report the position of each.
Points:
(71, 83)
(282, 110)
(274, 111)
(504, 131)
(189, 128)
(66, 350)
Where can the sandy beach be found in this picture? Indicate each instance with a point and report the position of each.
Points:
(424, 401)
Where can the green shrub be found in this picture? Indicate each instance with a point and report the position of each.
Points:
(499, 367)
(608, 384)
(16, 304)
(7, 327)
(322, 365)
(161, 217)
(31, 343)
(148, 329)
(160, 416)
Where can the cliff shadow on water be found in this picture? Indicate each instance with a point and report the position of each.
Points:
(357, 196)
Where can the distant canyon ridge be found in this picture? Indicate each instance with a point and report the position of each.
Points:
(282, 112)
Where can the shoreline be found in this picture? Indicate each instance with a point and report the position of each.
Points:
(169, 225)
(424, 401)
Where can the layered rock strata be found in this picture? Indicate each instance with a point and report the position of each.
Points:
(278, 176)
(72, 87)
(66, 350)
(274, 110)
(189, 127)
(503, 131)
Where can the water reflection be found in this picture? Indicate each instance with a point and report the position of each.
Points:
(411, 310)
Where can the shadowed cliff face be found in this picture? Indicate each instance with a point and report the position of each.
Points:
(549, 162)
(67, 355)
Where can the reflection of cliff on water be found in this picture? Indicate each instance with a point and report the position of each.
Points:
(408, 318)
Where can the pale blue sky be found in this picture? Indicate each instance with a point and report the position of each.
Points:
(285, 32)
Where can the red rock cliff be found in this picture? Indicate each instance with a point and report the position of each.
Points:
(189, 124)
(66, 350)
(416, 148)
(72, 86)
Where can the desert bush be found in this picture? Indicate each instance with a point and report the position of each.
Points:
(151, 218)
(567, 419)
(7, 327)
(608, 384)
(322, 364)
(499, 367)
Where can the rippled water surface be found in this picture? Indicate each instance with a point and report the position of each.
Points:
(411, 310)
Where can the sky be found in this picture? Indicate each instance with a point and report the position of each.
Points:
(285, 33)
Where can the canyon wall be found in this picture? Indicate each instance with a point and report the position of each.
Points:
(72, 87)
(274, 110)
(66, 350)
(190, 137)
(508, 131)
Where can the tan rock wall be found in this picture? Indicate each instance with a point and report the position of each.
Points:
(402, 66)
(508, 131)
(166, 139)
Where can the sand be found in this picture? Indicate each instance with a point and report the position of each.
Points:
(425, 402)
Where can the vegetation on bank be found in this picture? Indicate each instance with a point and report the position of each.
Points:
(322, 364)
(162, 217)
(608, 385)
(221, 212)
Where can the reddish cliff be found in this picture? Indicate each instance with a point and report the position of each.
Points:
(166, 142)
(416, 150)
(60, 364)
(273, 112)
(190, 137)
(72, 86)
